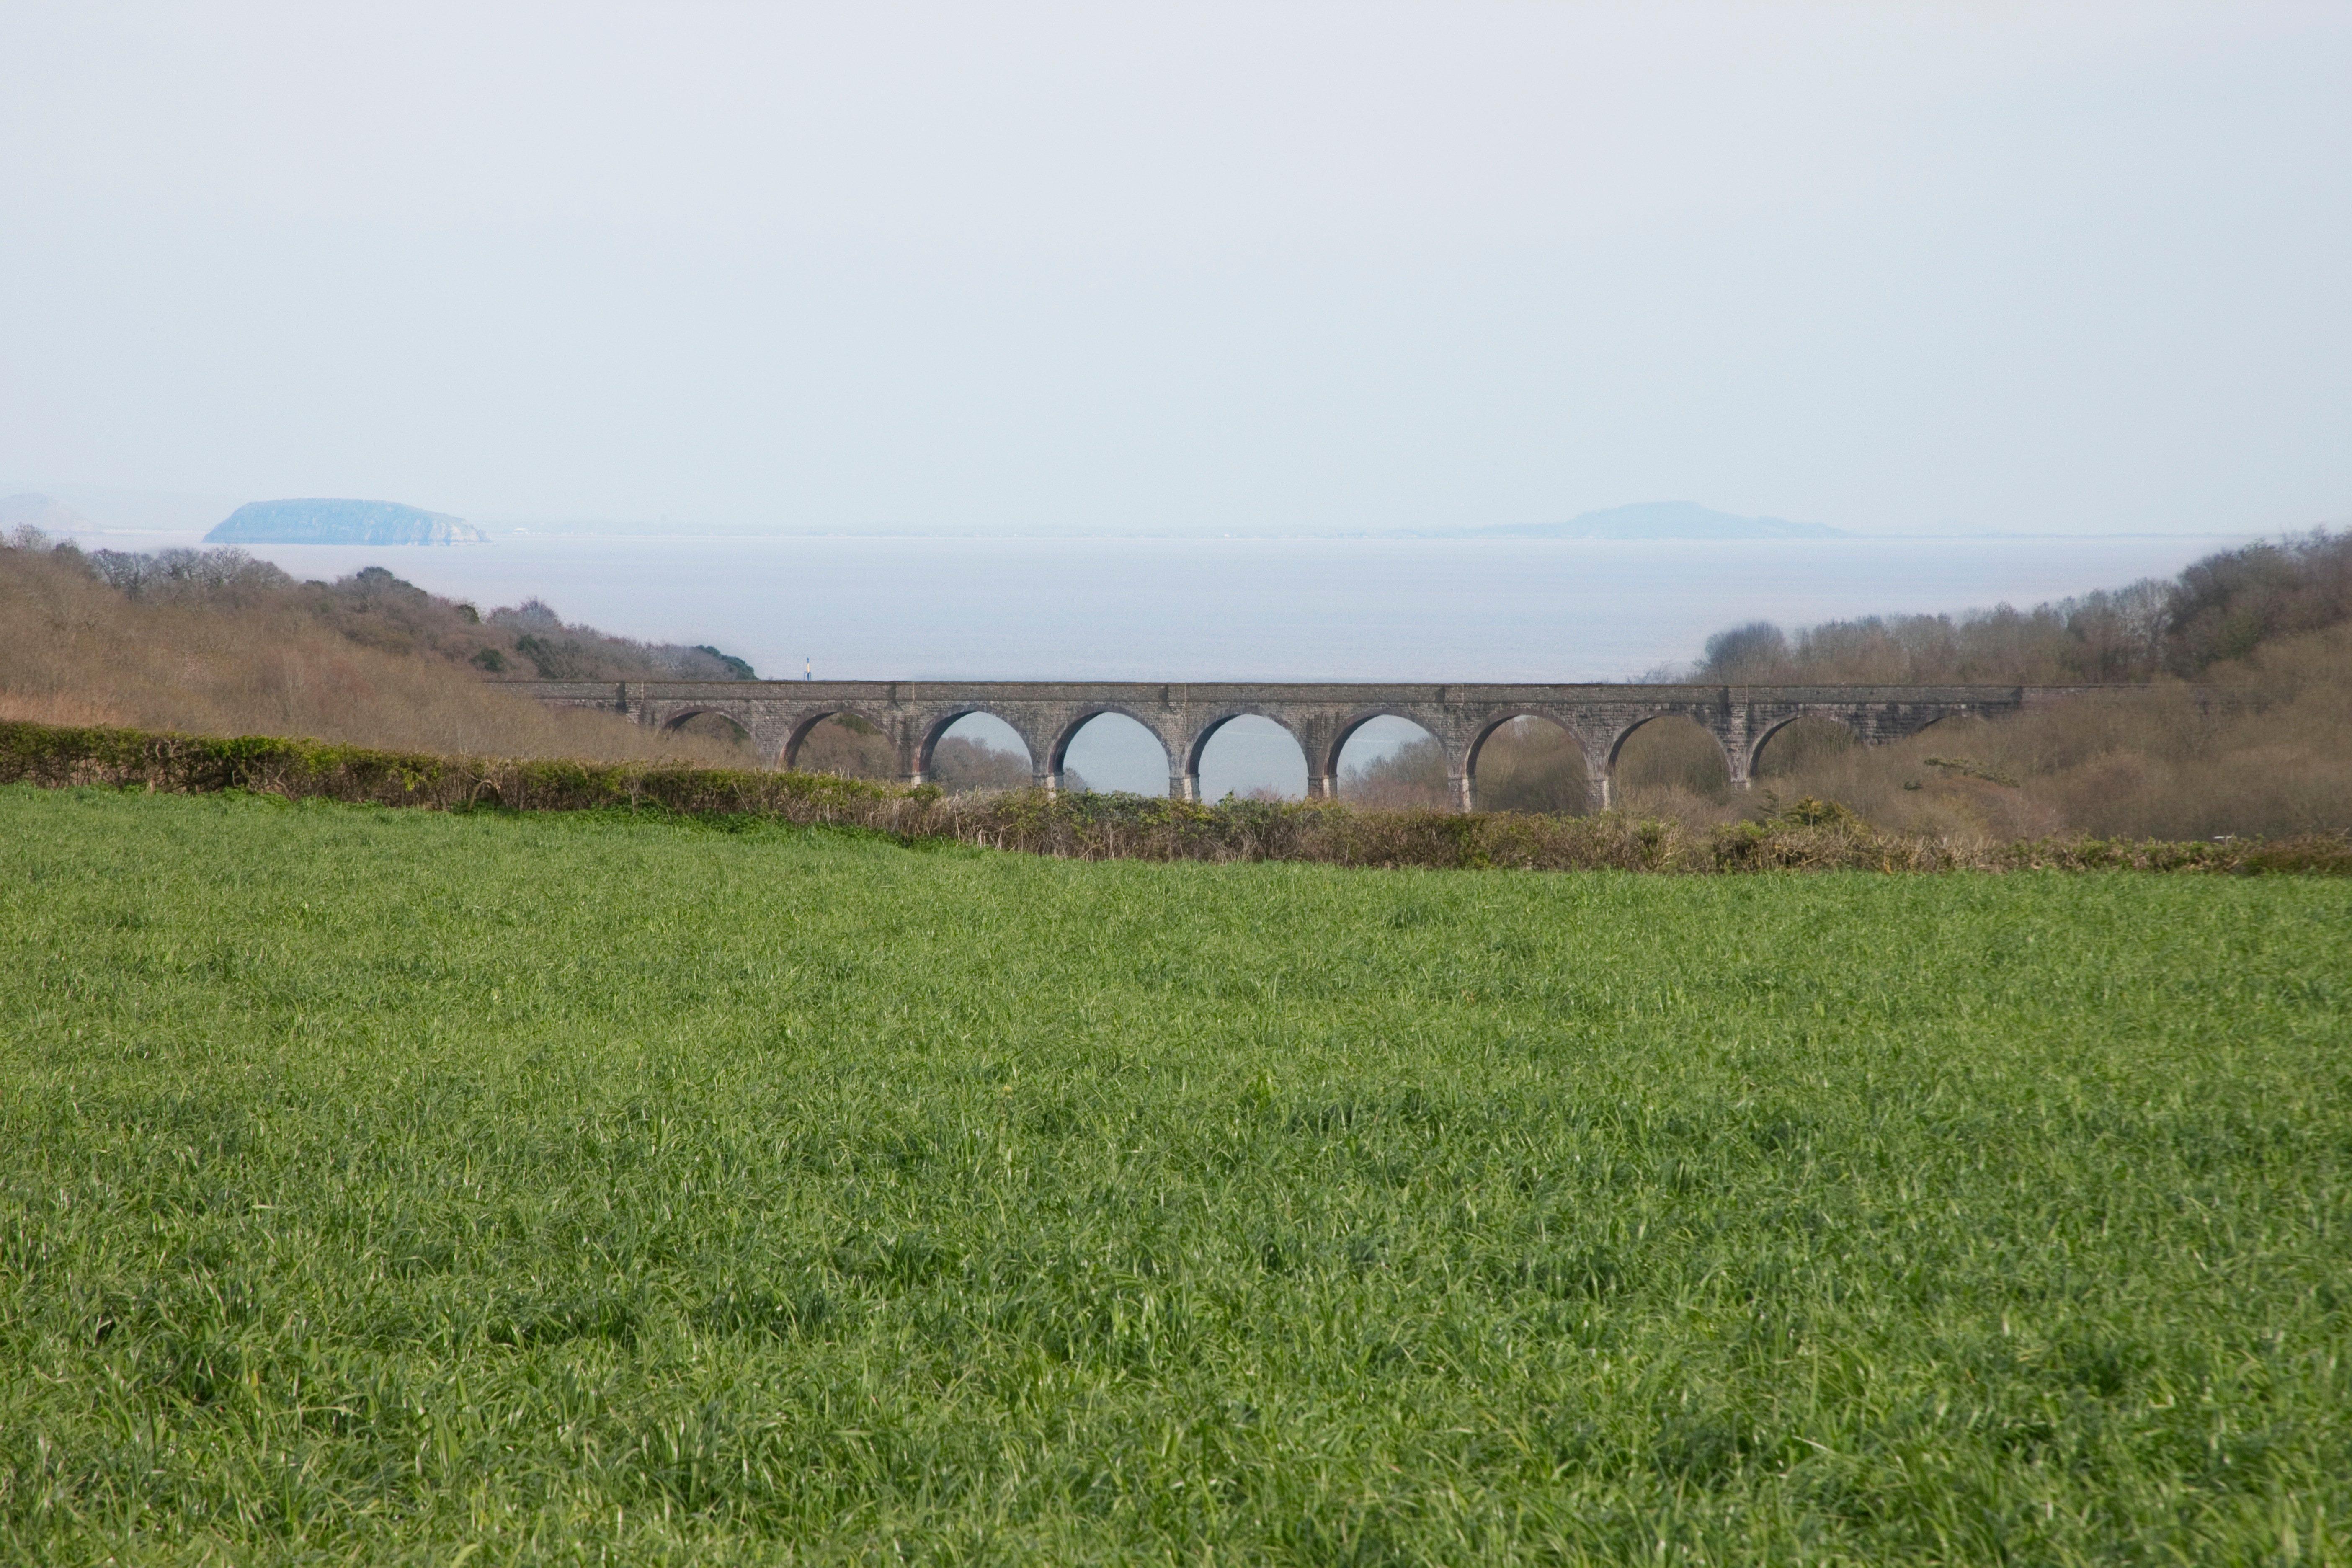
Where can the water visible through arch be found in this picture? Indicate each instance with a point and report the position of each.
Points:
(1111, 752)
(1255, 758)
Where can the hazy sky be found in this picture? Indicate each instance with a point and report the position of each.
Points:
(1261, 267)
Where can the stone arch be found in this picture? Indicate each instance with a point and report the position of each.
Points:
(1199, 740)
(741, 739)
(1323, 771)
(1617, 741)
(1965, 727)
(935, 729)
(1962, 714)
(1733, 764)
(685, 716)
(1111, 772)
(1196, 746)
(1486, 729)
(1594, 781)
(809, 721)
(1059, 751)
(1327, 765)
(1763, 737)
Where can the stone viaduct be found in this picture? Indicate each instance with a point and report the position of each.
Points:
(777, 714)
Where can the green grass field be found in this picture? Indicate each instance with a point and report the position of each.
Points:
(377, 1185)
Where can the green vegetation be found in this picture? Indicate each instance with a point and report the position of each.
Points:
(376, 1184)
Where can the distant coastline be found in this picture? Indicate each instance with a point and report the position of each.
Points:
(71, 511)
(749, 533)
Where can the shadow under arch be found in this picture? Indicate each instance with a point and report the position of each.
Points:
(874, 761)
(1196, 753)
(1109, 769)
(717, 738)
(1529, 761)
(706, 720)
(1974, 738)
(1415, 770)
(1964, 722)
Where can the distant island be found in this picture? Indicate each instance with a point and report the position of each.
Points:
(44, 512)
(341, 522)
(1668, 520)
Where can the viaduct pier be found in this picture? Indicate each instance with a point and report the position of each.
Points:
(776, 715)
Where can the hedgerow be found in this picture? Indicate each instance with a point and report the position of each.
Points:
(1807, 835)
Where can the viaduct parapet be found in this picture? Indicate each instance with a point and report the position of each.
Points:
(778, 714)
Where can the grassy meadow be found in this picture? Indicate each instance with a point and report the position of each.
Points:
(394, 1186)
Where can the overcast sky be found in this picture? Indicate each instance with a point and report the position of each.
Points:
(1262, 267)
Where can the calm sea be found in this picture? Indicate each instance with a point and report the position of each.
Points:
(1229, 609)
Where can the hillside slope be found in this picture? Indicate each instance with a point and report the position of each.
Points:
(213, 642)
(2250, 731)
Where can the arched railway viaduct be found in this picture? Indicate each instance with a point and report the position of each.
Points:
(778, 714)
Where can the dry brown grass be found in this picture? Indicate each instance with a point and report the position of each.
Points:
(1533, 764)
(848, 747)
(2262, 747)
(74, 650)
(2261, 744)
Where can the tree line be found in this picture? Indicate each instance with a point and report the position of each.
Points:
(2221, 608)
